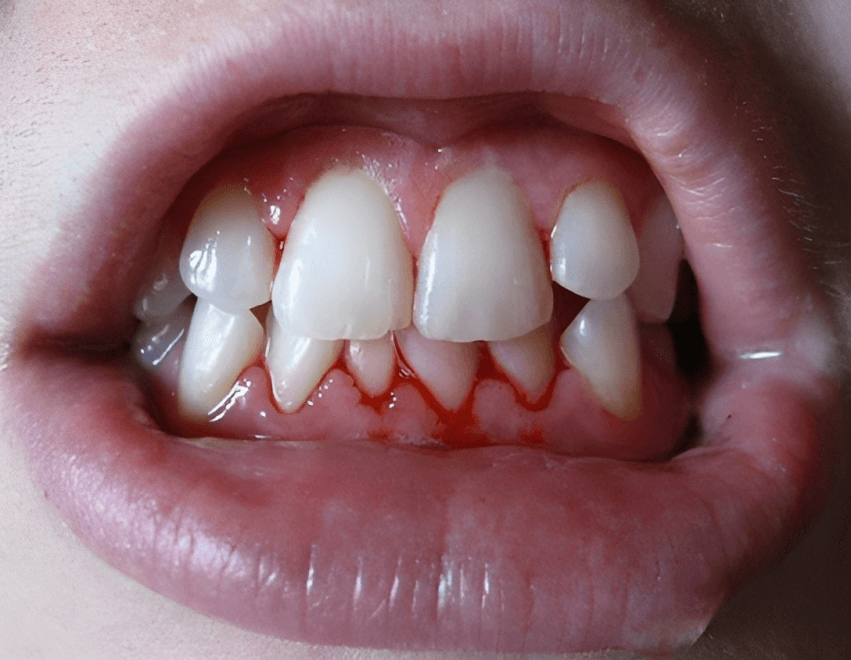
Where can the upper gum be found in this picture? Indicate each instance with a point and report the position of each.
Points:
(545, 162)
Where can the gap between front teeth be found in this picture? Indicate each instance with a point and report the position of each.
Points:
(346, 274)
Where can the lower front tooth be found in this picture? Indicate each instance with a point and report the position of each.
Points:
(602, 344)
(296, 363)
(447, 369)
(528, 361)
(372, 363)
(218, 347)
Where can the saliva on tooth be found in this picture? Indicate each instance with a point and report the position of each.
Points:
(345, 295)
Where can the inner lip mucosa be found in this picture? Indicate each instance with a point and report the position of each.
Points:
(532, 287)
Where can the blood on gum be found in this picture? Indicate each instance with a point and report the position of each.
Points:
(278, 172)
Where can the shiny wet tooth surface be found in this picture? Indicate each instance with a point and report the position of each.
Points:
(163, 290)
(448, 369)
(593, 250)
(528, 361)
(218, 347)
(482, 271)
(296, 363)
(373, 363)
(228, 255)
(602, 344)
(346, 272)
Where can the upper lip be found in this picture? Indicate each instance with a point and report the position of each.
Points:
(508, 538)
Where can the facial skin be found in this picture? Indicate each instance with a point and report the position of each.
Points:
(76, 76)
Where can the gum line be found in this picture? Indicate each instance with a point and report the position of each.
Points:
(556, 157)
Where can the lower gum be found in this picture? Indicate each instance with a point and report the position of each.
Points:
(566, 420)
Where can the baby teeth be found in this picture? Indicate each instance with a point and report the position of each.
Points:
(654, 291)
(593, 251)
(372, 362)
(528, 361)
(602, 344)
(346, 272)
(218, 347)
(482, 270)
(447, 369)
(296, 363)
(228, 255)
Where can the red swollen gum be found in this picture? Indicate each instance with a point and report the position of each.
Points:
(546, 162)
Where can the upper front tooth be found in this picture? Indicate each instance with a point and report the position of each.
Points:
(482, 270)
(228, 255)
(346, 272)
(218, 347)
(593, 251)
(661, 247)
(602, 344)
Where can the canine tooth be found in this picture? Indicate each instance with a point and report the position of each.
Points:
(593, 250)
(528, 361)
(482, 270)
(446, 368)
(346, 272)
(163, 289)
(228, 255)
(296, 363)
(372, 363)
(602, 344)
(219, 345)
(654, 291)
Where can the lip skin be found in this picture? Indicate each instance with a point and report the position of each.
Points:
(503, 548)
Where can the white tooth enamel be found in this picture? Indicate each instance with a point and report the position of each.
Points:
(218, 347)
(163, 289)
(228, 255)
(602, 344)
(482, 270)
(153, 341)
(593, 251)
(446, 368)
(346, 272)
(654, 291)
(372, 362)
(528, 361)
(296, 363)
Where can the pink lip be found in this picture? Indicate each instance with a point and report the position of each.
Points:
(502, 549)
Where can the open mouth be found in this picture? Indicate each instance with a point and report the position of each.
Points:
(500, 454)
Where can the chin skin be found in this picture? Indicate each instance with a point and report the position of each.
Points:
(65, 602)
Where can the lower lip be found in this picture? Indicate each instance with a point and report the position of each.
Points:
(499, 548)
